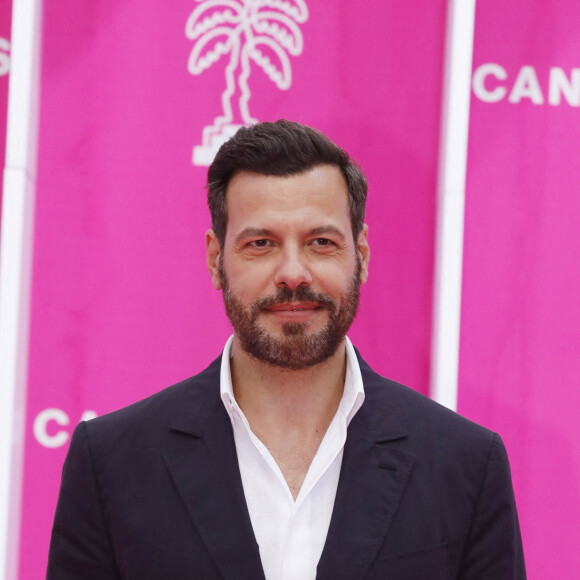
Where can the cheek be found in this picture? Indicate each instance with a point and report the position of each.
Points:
(248, 283)
(336, 278)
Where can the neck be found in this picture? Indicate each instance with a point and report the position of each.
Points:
(305, 398)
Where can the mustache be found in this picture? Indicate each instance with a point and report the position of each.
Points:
(301, 294)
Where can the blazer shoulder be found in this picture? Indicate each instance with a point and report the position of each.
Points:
(420, 414)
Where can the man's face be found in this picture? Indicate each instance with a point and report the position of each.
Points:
(289, 270)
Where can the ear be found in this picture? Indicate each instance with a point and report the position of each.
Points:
(213, 251)
(364, 253)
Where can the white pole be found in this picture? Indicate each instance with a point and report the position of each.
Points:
(15, 267)
(451, 202)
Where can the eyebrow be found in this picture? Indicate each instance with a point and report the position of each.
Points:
(266, 233)
(253, 233)
(322, 230)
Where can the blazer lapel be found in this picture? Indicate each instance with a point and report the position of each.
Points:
(373, 476)
(201, 457)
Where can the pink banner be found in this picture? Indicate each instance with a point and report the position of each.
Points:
(519, 360)
(134, 97)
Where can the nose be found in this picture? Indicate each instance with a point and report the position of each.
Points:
(292, 270)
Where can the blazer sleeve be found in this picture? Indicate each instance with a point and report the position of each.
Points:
(494, 546)
(80, 547)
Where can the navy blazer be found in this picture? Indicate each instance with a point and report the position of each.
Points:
(154, 492)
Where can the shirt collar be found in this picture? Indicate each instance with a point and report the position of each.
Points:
(352, 397)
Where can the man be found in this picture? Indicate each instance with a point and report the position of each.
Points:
(288, 457)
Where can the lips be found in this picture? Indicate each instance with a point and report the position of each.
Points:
(293, 307)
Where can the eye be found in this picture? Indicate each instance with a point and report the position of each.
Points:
(323, 246)
(259, 243)
(322, 242)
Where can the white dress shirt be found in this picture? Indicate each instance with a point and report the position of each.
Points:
(291, 533)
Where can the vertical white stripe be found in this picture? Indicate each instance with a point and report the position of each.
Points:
(15, 267)
(451, 202)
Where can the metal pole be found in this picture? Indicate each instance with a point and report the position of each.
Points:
(15, 267)
(451, 202)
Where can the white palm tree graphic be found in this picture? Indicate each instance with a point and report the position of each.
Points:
(263, 31)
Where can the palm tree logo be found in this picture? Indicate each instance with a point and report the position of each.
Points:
(263, 31)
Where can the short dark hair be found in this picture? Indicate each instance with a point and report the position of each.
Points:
(283, 148)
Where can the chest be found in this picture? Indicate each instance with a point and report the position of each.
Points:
(290, 502)
(293, 458)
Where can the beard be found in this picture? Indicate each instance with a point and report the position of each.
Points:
(297, 348)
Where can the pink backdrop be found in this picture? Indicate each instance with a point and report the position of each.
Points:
(519, 361)
(122, 304)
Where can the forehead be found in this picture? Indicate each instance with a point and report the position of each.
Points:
(321, 189)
